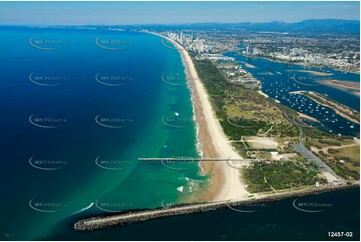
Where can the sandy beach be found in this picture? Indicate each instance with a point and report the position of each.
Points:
(316, 73)
(305, 116)
(352, 87)
(108, 221)
(227, 188)
(250, 66)
(226, 181)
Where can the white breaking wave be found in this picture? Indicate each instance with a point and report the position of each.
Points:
(83, 209)
(180, 189)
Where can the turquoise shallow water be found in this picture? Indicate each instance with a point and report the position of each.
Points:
(80, 107)
(104, 108)
(339, 212)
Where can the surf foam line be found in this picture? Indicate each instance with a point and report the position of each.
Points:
(83, 209)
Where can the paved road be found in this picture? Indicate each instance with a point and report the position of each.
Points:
(307, 154)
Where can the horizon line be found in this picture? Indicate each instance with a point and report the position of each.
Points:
(168, 24)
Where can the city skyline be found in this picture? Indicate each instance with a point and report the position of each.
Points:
(129, 13)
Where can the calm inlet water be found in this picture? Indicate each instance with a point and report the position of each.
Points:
(80, 106)
(279, 79)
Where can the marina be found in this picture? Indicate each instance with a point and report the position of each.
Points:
(282, 87)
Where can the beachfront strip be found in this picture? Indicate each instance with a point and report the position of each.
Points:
(282, 149)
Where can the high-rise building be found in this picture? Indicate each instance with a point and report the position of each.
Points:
(247, 48)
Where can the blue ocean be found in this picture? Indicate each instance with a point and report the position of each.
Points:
(79, 107)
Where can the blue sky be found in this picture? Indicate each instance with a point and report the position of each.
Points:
(118, 13)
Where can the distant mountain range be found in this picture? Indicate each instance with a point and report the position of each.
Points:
(311, 26)
(308, 26)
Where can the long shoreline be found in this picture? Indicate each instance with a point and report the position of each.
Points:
(226, 181)
(227, 187)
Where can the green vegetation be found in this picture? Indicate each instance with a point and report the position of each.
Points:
(278, 174)
(242, 112)
(350, 154)
(342, 155)
(332, 151)
(309, 128)
(330, 142)
(326, 142)
(316, 133)
(347, 162)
